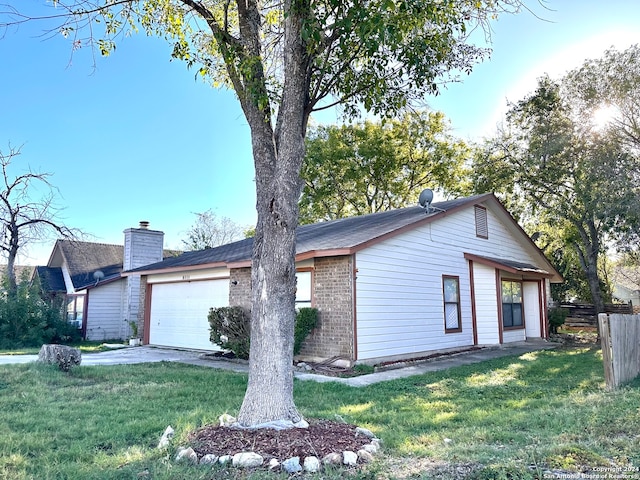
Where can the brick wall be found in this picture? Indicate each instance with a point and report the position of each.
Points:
(240, 293)
(333, 297)
(333, 288)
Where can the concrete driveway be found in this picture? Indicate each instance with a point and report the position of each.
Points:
(125, 355)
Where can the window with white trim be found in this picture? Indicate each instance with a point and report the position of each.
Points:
(303, 289)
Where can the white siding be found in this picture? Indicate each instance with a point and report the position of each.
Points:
(399, 303)
(105, 315)
(486, 296)
(531, 309)
(509, 336)
(189, 275)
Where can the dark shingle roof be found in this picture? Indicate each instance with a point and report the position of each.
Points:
(85, 258)
(51, 279)
(344, 233)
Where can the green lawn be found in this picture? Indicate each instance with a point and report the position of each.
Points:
(515, 415)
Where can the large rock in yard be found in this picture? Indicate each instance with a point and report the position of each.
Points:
(61, 355)
(247, 460)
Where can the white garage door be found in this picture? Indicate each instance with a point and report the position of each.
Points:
(178, 316)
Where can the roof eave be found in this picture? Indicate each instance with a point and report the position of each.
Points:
(508, 268)
(177, 268)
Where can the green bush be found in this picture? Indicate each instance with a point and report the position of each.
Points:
(306, 321)
(230, 327)
(557, 316)
(26, 320)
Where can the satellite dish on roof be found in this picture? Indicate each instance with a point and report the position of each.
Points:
(425, 199)
(98, 275)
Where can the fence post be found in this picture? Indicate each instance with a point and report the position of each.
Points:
(607, 356)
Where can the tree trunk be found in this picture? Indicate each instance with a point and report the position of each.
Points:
(278, 158)
(12, 254)
(269, 395)
(589, 262)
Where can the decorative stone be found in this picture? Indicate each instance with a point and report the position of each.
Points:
(224, 459)
(186, 455)
(247, 460)
(273, 464)
(209, 459)
(364, 432)
(226, 420)
(61, 355)
(350, 458)
(365, 456)
(332, 459)
(372, 448)
(165, 440)
(311, 464)
(377, 442)
(292, 465)
(447, 441)
(278, 425)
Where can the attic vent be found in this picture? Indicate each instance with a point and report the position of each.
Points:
(482, 226)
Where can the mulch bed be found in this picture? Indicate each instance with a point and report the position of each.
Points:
(321, 438)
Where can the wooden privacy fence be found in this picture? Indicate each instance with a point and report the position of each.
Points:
(584, 315)
(620, 337)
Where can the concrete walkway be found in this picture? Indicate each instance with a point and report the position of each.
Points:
(440, 363)
(130, 355)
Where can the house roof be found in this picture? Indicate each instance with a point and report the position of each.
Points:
(508, 265)
(340, 237)
(83, 259)
(51, 279)
(21, 271)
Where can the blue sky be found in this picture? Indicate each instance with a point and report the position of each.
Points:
(139, 138)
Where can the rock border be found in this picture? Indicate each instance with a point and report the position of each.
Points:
(310, 464)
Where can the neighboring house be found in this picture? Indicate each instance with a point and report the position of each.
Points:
(21, 271)
(391, 285)
(627, 294)
(626, 286)
(88, 276)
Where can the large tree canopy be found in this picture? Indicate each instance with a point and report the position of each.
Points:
(370, 167)
(611, 84)
(571, 178)
(285, 60)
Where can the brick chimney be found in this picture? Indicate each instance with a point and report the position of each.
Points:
(142, 246)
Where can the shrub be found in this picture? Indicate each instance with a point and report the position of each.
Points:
(26, 320)
(557, 316)
(230, 327)
(306, 321)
